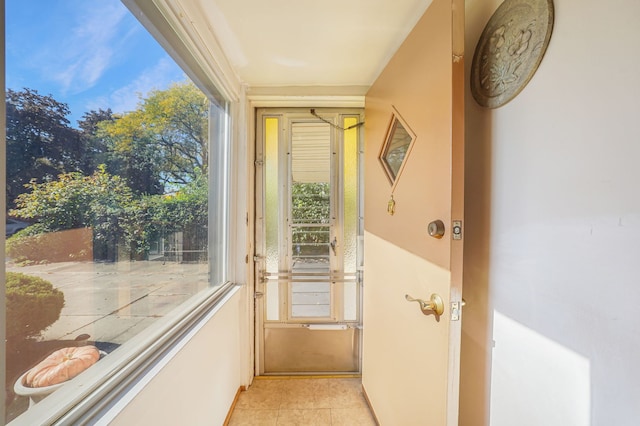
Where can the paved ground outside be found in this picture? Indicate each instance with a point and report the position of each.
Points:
(111, 302)
(108, 303)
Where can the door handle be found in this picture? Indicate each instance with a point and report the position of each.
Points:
(434, 305)
(333, 245)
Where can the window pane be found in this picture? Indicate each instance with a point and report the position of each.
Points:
(272, 213)
(311, 218)
(310, 300)
(350, 215)
(117, 188)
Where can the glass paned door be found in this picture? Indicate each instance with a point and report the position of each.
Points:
(311, 220)
(307, 238)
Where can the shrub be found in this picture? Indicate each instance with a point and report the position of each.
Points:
(33, 304)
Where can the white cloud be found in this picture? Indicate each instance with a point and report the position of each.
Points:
(88, 48)
(126, 98)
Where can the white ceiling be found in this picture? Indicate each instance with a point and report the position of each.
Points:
(304, 42)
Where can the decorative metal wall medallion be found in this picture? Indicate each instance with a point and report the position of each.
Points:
(510, 50)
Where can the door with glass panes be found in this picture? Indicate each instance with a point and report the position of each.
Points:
(308, 241)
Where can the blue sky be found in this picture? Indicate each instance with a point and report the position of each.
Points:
(87, 54)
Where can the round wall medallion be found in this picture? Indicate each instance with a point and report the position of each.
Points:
(510, 49)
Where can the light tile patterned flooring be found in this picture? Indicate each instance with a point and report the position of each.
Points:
(303, 402)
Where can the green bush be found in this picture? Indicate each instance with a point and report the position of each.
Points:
(32, 305)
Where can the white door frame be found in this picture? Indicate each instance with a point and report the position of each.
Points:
(258, 231)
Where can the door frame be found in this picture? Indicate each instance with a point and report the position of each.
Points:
(348, 105)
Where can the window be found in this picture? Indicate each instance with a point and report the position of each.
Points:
(117, 190)
(396, 148)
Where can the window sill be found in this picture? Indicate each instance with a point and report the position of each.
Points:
(114, 380)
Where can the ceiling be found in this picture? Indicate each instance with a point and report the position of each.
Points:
(305, 43)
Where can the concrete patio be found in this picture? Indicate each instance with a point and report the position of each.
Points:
(111, 302)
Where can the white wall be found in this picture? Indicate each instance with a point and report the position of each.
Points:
(551, 330)
(199, 384)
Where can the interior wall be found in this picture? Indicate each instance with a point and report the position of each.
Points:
(550, 328)
(198, 386)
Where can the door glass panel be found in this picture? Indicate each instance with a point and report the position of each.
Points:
(310, 218)
(396, 148)
(271, 214)
(311, 299)
(350, 214)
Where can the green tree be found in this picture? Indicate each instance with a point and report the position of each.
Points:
(77, 201)
(179, 116)
(40, 142)
(164, 140)
(184, 211)
(117, 216)
(114, 179)
(96, 149)
(310, 202)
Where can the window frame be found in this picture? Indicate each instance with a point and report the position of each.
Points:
(98, 390)
(3, 189)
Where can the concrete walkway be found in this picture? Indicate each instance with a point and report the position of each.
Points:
(112, 302)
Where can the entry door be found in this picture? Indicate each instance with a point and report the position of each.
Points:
(308, 234)
(414, 225)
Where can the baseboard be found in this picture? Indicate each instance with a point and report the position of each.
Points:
(373, 413)
(273, 376)
(233, 405)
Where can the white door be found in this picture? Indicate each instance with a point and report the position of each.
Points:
(308, 233)
(414, 225)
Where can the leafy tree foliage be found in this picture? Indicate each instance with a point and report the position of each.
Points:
(72, 201)
(186, 208)
(163, 142)
(132, 153)
(117, 217)
(40, 142)
(113, 172)
(184, 211)
(310, 202)
(77, 201)
(95, 148)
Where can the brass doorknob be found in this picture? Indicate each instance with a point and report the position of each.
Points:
(434, 305)
(436, 229)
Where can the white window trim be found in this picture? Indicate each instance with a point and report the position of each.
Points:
(97, 390)
(3, 187)
(105, 390)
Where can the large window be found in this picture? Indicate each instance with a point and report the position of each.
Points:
(116, 192)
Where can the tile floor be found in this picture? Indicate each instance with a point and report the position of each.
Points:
(304, 402)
